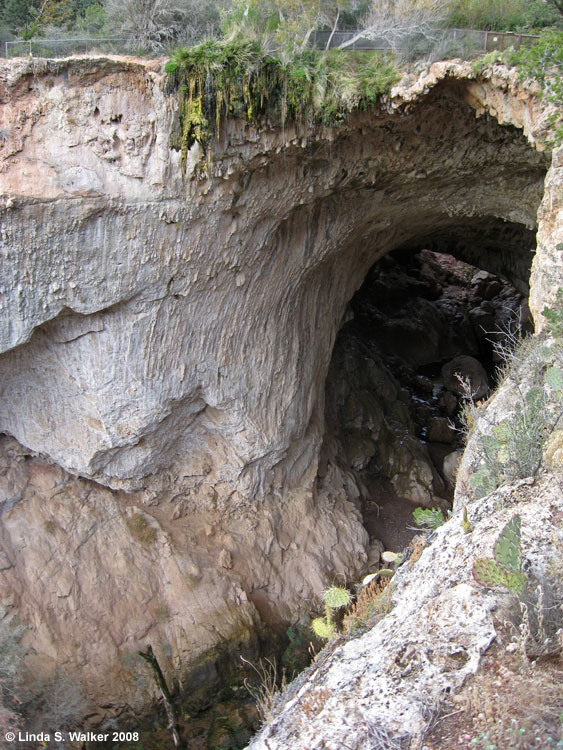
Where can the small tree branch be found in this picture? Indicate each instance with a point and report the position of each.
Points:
(173, 722)
(334, 27)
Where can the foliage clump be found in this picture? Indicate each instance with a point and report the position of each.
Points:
(515, 447)
(373, 601)
(503, 15)
(428, 518)
(554, 315)
(219, 79)
(140, 529)
(46, 704)
(543, 62)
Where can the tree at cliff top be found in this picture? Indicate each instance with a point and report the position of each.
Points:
(400, 23)
(287, 25)
(505, 15)
(30, 18)
(19, 13)
(154, 25)
(284, 26)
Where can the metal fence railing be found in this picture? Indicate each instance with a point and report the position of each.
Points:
(468, 41)
(488, 41)
(64, 47)
(471, 39)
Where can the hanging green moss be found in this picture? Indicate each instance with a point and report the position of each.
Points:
(238, 79)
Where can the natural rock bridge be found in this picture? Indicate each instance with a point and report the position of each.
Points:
(166, 342)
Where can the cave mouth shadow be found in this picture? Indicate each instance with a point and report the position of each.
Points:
(393, 399)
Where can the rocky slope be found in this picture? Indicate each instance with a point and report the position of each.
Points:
(166, 342)
(391, 687)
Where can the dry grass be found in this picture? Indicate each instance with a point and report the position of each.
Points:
(373, 601)
(269, 684)
(511, 704)
(518, 707)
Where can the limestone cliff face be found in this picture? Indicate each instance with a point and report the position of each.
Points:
(173, 320)
(170, 339)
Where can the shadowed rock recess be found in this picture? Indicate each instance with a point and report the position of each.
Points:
(166, 344)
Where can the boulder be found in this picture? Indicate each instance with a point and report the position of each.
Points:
(464, 370)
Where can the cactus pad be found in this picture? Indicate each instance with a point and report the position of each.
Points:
(335, 597)
(507, 546)
(554, 377)
(506, 569)
(489, 573)
(322, 629)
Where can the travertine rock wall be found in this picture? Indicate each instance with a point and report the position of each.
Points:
(174, 319)
(96, 575)
(170, 339)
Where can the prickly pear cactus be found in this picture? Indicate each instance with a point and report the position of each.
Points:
(490, 574)
(506, 569)
(507, 546)
(554, 377)
(336, 598)
(322, 629)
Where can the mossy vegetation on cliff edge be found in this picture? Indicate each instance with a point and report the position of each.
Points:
(220, 79)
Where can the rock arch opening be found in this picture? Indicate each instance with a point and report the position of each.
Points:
(423, 320)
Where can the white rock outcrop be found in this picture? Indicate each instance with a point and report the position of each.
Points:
(390, 683)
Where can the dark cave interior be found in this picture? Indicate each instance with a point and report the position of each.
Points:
(421, 320)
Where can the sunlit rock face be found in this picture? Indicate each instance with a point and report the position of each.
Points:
(170, 338)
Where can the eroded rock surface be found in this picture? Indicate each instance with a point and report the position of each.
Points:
(166, 342)
(176, 319)
(95, 574)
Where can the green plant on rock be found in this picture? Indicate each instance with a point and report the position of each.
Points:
(486, 61)
(428, 518)
(466, 523)
(140, 529)
(239, 78)
(554, 315)
(334, 598)
(505, 568)
(515, 447)
(543, 62)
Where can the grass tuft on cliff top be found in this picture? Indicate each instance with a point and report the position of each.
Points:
(238, 78)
